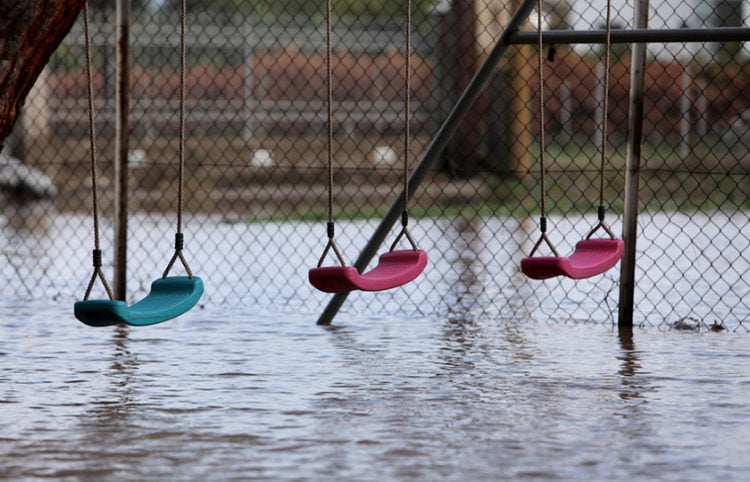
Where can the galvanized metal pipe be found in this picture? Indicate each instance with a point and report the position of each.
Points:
(444, 134)
(122, 95)
(636, 35)
(632, 170)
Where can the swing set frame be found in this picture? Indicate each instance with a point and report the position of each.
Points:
(639, 35)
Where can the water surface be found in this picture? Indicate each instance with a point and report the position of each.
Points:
(266, 396)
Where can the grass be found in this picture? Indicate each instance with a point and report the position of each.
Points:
(355, 213)
(508, 197)
(571, 185)
(665, 191)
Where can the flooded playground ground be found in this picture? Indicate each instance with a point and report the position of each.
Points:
(240, 396)
(257, 391)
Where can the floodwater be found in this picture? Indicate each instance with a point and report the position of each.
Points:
(238, 396)
(225, 393)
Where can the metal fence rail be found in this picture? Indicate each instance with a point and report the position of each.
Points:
(256, 163)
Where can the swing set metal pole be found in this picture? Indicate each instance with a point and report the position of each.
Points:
(638, 35)
(632, 171)
(634, 35)
(444, 134)
(121, 150)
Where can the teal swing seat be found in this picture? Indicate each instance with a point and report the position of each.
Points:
(101, 312)
(169, 298)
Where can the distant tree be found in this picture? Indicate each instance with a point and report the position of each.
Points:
(30, 30)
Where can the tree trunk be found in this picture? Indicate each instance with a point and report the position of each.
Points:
(30, 30)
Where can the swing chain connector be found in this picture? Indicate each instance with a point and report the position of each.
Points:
(97, 262)
(97, 258)
(404, 233)
(601, 224)
(330, 228)
(179, 245)
(543, 238)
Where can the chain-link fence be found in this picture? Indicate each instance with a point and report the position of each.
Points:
(256, 175)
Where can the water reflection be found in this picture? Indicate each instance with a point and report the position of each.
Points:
(458, 350)
(635, 421)
(112, 408)
(466, 291)
(483, 283)
(629, 372)
(519, 293)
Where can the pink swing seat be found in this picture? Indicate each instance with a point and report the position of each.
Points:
(394, 269)
(590, 258)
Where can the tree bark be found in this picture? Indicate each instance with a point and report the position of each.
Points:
(30, 30)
